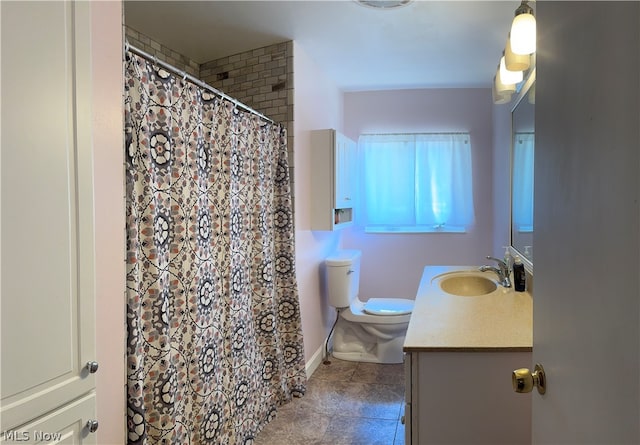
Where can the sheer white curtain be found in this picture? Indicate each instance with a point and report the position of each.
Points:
(417, 180)
(523, 150)
(388, 192)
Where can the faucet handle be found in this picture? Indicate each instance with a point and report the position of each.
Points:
(498, 260)
(504, 267)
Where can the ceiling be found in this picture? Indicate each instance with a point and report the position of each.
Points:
(426, 44)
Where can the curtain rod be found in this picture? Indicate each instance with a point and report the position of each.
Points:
(195, 80)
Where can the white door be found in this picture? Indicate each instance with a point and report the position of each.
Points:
(587, 224)
(47, 210)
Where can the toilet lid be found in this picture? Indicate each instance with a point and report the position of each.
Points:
(388, 306)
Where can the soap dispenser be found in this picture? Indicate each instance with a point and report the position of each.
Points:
(519, 275)
(507, 257)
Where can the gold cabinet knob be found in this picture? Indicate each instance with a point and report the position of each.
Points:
(523, 380)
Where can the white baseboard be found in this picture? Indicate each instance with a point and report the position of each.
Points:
(314, 361)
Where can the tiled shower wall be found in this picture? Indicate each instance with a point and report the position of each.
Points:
(261, 78)
(160, 51)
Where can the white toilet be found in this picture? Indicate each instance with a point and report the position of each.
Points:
(371, 331)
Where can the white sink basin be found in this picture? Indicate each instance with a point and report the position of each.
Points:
(467, 284)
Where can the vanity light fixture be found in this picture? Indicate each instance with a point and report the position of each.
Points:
(523, 30)
(518, 55)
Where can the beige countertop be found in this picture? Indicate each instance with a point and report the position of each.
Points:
(498, 321)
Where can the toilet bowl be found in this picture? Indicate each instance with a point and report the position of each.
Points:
(365, 331)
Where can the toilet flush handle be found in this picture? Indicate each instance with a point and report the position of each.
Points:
(350, 271)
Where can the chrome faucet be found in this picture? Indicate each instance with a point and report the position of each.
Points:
(502, 271)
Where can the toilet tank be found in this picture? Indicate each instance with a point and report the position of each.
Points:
(343, 277)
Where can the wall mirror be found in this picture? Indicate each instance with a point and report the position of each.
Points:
(522, 156)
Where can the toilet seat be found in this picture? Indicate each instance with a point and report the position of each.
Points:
(357, 314)
(388, 306)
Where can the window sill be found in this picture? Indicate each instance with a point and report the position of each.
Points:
(414, 229)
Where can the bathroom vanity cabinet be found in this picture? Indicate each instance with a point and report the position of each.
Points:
(460, 352)
(333, 160)
(48, 290)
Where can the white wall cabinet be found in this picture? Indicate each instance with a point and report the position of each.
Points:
(47, 225)
(333, 180)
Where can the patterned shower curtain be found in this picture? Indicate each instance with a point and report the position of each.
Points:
(214, 339)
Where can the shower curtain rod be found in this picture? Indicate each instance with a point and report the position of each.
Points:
(195, 80)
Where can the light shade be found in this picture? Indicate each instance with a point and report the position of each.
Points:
(501, 97)
(523, 31)
(509, 77)
(513, 61)
(502, 91)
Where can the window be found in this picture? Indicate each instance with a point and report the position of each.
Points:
(416, 182)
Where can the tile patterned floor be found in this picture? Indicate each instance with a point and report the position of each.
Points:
(346, 403)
